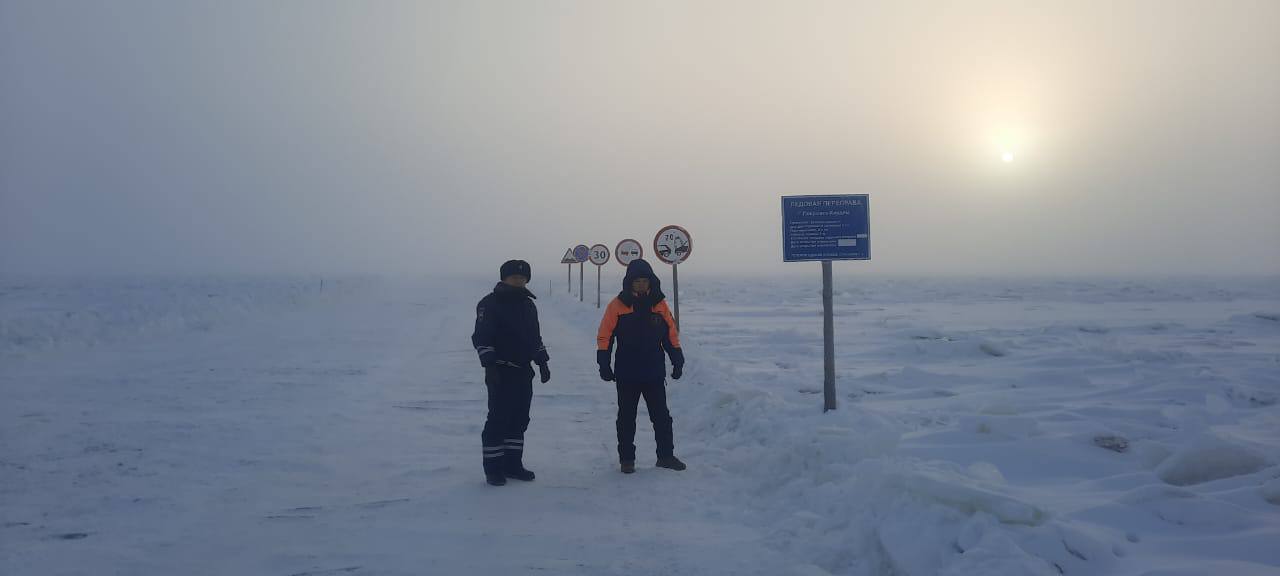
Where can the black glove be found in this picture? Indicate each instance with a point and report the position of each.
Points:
(544, 372)
(602, 358)
(677, 362)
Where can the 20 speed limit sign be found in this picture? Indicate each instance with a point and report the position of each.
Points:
(599, 254)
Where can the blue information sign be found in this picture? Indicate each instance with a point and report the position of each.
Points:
(833, 227)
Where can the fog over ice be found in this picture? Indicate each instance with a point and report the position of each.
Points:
(330, 137)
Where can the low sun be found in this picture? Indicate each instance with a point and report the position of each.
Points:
(1004, 145)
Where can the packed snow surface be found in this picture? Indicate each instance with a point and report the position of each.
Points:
(332, 426)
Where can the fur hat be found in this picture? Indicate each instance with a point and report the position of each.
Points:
(515, 267)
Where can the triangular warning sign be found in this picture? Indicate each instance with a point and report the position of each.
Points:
(568, 257)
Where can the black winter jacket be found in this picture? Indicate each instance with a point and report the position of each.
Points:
(507, 331)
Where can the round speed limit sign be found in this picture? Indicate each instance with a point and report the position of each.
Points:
(673, 244)
(599, 254)
(628, 250)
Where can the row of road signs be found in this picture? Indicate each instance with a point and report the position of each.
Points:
(672, 244)
(600, 255)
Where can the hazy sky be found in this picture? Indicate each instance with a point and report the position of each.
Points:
(319, 137)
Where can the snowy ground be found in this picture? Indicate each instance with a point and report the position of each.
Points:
(986, 427)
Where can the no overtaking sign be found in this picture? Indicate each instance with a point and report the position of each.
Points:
(628, 250)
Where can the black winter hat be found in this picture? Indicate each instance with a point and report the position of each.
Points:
(515, 267)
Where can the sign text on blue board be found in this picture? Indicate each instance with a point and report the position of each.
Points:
(832, 227)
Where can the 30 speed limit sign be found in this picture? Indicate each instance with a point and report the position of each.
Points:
(599, 254)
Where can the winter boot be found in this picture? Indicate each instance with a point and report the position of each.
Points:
(493, 466)
(521, 474)
(670, 462)
(628, 466)
(513, 460)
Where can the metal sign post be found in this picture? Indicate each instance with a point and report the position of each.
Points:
(675, 288)
(826, 228)
(599, 257)
(580, 254)
(570, 260)
(673, 245)
(828, 342)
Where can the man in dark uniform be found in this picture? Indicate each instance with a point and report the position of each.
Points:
(508, 339)
(641, 323)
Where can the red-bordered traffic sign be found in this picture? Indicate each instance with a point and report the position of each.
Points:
(599, 255)
(568, 257)
(628, 250)
(673, 244)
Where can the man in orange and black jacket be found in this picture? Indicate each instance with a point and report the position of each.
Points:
(641, 323)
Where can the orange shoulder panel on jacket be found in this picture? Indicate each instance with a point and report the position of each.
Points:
(672, 333)
(609, 322)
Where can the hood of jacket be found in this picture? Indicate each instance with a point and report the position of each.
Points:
(638, 268)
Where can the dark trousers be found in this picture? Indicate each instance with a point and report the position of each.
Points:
(510, 393)
(655, 398)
